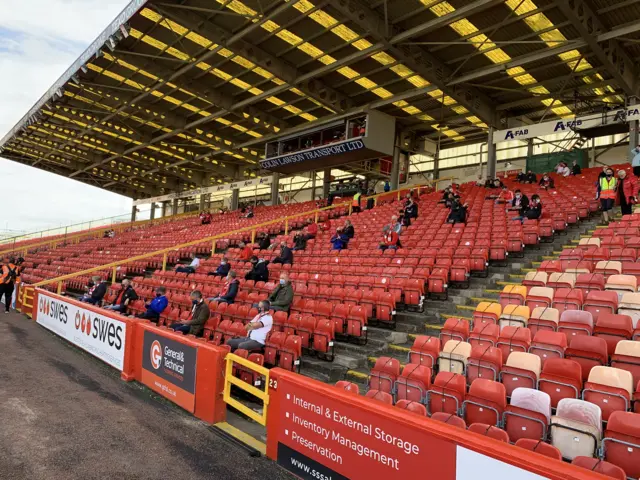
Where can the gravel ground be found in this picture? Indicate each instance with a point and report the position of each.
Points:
(65, 415)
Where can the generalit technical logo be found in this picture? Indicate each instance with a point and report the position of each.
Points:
(155, 353)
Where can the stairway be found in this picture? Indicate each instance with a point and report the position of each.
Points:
(353, 362)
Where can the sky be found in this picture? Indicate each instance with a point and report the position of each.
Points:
(39, 40)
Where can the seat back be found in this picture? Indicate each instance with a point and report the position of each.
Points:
(621, 445)
(515, 316)
(454, 357)
(576, 428)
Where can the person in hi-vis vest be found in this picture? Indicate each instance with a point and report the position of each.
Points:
(607, 187)
(355, 203)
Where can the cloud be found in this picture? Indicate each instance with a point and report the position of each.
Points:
(39, 39)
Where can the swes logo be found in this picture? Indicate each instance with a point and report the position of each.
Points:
(53, 309)
(99, 329)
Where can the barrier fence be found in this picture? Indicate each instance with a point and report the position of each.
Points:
(314, 430)
(252, 229)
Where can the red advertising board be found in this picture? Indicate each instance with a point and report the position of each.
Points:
(339, 440)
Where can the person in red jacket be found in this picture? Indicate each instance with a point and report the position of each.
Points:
(312, 230)
(246, 252)
(628, 193)
(389, 239)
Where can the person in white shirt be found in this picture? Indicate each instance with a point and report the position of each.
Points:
(563, 169)
(193, 266)
(257, 330)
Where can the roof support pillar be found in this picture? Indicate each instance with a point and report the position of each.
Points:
(152, 215)
(326, 183)
(134, 210)
(395, 165)
(491, 156)
(163, 210)
(174, 207)
(313, 185)
(275, 188)
(235, 199)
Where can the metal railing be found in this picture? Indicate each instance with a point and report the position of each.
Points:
(214, 238)
(263, 395)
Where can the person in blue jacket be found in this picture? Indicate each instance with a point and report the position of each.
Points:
(223, 269)
(339, 240)
(156, 306)
(635, 163)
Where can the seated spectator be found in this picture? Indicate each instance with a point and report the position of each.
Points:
(229, 291)
(124, 297)
(286, 255)
(410, 212)
(531, 177)
(546, 182)
(257, 330)
(348, 229)
(222, 270)
(445, 194)
(96, 290)
(192, 267)
(480, 182)
(156, 306)
(520, 202)
(246, 252)
(506, 195)
(389, 239)
(259, 271)
(396, 225)
(534, 211)
(206, 218)
(248, 212)
(282, 297)
(264, 242)
(300, 240)
(458, 213)
(563, 169)
(339, 240)
(312, 230)
(521, 177)
(199, 316)
(576, 169)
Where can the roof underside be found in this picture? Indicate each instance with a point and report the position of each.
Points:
(187, 92)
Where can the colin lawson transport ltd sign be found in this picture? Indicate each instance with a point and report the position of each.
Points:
(103, 337)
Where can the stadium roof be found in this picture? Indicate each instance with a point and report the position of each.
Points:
(180, 94)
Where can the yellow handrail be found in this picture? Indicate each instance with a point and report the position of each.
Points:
(93, 233)
(263, 395)
(212, 239)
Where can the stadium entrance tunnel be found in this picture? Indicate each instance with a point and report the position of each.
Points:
(312, 429)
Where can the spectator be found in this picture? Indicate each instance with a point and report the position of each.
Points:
(445, 194)
(259, 271)
(458, 213)
(282, 297)
(96, 291)
(396, 225)
(222, 270)
(229, 291)
(348, 229)
(8, 276)
(249, 212)
(156, 306)
(339, 240)
(264, 242)
(563, 169)
(534, 210)
(546, 182)
(312, 230)
(607, 187)
(625, 207)
(205, 218)
(506, 195)
(480, 182)
(630, 191)
(410, 212)
(192, 267)
(199, 316)
(389, 239)
(521, 177)
(356, 203)
(576, 169)
(531, 177)
(300, 240)
(124, 297)
(257, 330)
(286, 255)
(246, 252)
(520, 202)
(387, 186)
(635, 163)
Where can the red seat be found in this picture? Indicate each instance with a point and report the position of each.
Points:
(621, 444)
(489, 431)
(485, 361)
(609, 388)
(450, 419)
(357, 322)
(274, 343)
(305, 327)
(384, 374)
(289, 354)
(513, 339)
(548, 345)
(540, 447)
(484, 334)
(575, 322)
(425, 350)
(447, 393)
(412, 406)
(323, 339)
(383, 397)
(414, 383)
(613, 328)
(349, 387)
(600, 466)
(567, 299)
(600, 302)
(560, 378)
(589, 352)
(627, 357)
(454, 329)
(485, 402)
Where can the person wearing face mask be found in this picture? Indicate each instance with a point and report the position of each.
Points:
(259, 271)
(199, 315)
(607, 191)
(222, 270)
(520, 202)
(282, 297)
(156, 306)
(246, 252)
(547, 182)
(125, 296)
(286, 255)
(630, 191)
(257, 331)
(229, 291)
(623, 191)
